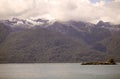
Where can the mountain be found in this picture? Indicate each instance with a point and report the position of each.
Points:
(108, 25)
(41, 40)
(113, 46)
(42, 45)
(21, 24)
(88, 32)
(44, 23)
(4, 31)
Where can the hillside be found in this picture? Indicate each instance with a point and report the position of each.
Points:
(4, 31)
(41, 45)
(113, 46)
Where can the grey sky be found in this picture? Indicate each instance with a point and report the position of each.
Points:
(62, 10)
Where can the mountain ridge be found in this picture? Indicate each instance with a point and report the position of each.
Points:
(30, 23)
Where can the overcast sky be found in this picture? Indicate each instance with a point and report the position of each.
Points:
(62, 10)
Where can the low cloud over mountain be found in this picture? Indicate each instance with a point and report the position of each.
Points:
(63, 10)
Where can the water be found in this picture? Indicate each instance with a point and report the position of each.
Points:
(59, 71)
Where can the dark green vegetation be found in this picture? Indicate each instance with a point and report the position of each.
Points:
(58, 43)
(108, 62)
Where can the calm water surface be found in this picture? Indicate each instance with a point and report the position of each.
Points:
(59, 71)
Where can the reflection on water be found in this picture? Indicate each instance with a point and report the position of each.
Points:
(58, 71)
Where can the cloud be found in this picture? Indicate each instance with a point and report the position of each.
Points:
(62, 10)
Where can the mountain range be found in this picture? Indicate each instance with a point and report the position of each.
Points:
(45, 41)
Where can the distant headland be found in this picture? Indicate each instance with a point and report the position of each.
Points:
(108, 62)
